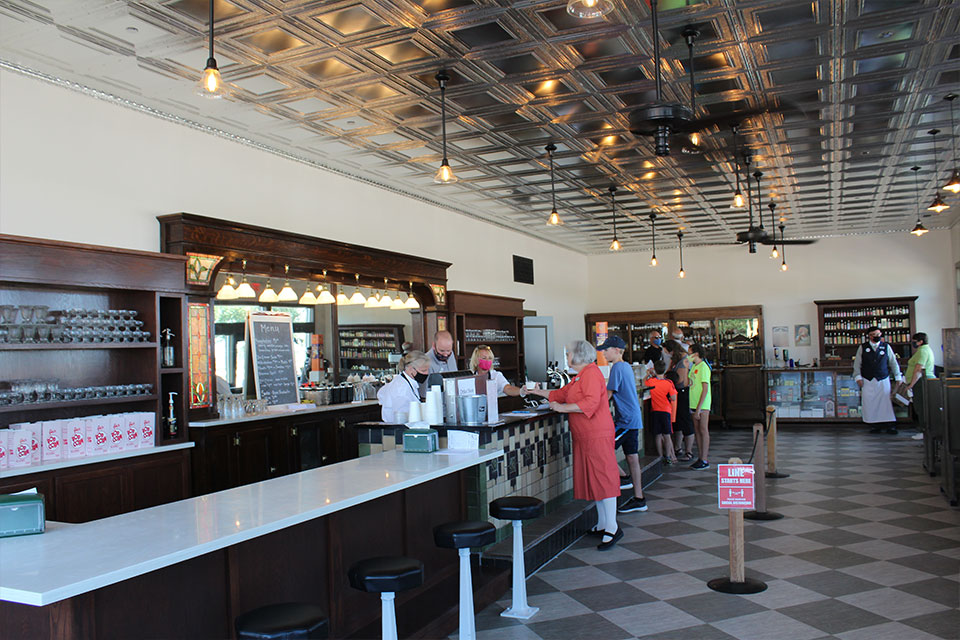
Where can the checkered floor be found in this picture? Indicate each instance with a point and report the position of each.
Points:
(868, 549)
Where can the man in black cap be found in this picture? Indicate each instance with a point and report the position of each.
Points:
(622, 387)
(873, 366)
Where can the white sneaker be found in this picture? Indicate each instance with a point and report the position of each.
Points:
(917, 436)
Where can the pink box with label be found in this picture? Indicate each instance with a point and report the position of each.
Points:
(19, 447)
(98, 435)
(75, 441)
(131, 430)
(147, 429)
(115, 434)
(4, 449)
(35, 429)
(52, 440)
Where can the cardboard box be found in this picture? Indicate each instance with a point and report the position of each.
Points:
(115, 436)
(98, 435)
(131, 430)
(148, 436)
(4, 449)
(52, 436)
(75, 439)
(35, 431)
(19, 447)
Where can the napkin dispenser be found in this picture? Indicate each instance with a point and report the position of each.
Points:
(21, 514)
(420, 441)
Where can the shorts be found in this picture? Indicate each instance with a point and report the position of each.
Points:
(628, 440)
(660, 423)
(684, 419)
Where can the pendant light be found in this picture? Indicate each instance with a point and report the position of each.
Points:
(324, 296)
(938, 204)
(308, 297)
(953, 184)
(589, 8)
(653, 238)
(397, 303)
(615, 245)
(357, 297)
(554, 218)
(737, 197)
(774, 254)
(342, 299)
(373, 301)
(287, 294)
(682, 274)
(411, 302)
(783, 250)
(444, 174)
(269, 295)
(227, 292)
(918, 230)
(385, 299)
(211, 85)
(245, 291)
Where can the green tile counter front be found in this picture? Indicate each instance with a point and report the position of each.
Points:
(537, 460)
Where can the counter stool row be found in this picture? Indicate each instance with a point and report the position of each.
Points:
(389, 574)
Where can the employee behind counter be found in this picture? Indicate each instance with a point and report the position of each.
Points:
(395, 396)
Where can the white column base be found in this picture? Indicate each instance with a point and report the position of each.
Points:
(468, 626)
(388, 616)
(519, 608)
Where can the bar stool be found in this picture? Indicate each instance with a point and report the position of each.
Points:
(386, 575)
(283, 621)
(462, 536)
(518, 509)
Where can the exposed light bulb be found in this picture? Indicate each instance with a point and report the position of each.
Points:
(445, 174)
(589, 8)
(682, 274)
(783, 266)
(695, 139)
(738, 200)
(774, 253)
(615, 245)
(211, 84)
(653, 261)
(953, 186)
(554, 218)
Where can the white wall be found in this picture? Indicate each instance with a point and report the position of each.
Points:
(874, 266)
(79, 169)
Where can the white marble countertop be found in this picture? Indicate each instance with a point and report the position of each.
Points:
(77, 462)
(68, 560)
(346, 406)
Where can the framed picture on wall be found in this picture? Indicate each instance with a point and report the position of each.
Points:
(801, 335)
(781, 336)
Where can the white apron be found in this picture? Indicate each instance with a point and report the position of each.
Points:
(875, 401)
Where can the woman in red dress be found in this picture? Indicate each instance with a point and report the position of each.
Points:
(595, 472)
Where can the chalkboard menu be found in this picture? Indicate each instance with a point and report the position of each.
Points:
(272, 349)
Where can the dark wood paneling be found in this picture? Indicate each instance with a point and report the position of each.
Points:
(92, 495)
(744, 399)
(159, 481)
(484, 304)
(425, 507)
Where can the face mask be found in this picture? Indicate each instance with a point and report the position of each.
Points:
(656, 341)
(484, 365)
(420, 377)
(875, 339)
(441, 358)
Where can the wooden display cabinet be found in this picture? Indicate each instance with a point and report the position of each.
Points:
(495, 321)
(365, 348)
(843, 326)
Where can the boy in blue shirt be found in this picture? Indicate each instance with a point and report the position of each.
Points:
(622, 387)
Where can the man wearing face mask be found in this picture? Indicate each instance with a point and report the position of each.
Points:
(655, 351)
(873, 365)
(441, 353)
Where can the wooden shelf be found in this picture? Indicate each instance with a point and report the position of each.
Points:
(42, 406)
(171, 370)
(70, 346)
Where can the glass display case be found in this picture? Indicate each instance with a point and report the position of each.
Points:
(817, 395)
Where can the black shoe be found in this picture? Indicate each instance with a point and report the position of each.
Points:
(700, 465)
(595, 533)
(605, 546)
(633, 504)
(626, 482)
(876, 430)
(666, 461)
(891, 430)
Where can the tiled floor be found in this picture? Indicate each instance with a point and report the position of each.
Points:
(868, 549)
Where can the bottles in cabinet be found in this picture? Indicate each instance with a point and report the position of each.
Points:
(883, 323)
(868, 312)
(856, 338)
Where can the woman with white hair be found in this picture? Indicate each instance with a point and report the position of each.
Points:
(595, 473)
(396, 396)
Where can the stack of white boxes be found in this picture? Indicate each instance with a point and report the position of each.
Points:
(34, 443)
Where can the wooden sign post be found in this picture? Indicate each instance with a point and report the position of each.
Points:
(735, 484)
(772, 445)
(759, 464)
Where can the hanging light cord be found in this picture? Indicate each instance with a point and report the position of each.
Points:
(210, 35)
(916, 187)
(953, 134)
(553, 188)
(613, 208)
(653, 232)
(442, 79)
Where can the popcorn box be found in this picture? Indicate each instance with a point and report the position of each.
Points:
(147, 429)
(98, 435)
(131, 430)
(116, 428)
(75, 439)
(19, 447)
(35, 430)
(52, 440)
(4, 452)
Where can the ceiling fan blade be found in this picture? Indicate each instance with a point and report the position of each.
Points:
(770, 241)
(725, 120)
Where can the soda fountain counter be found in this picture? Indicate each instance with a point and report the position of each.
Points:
(187, 568)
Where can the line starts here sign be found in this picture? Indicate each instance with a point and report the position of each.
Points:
(736, 487)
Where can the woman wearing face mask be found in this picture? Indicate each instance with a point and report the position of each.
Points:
(482, 362)
(396, 395)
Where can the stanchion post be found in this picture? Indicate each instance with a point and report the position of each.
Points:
(772, 445)
(737, 583)
(759, 464)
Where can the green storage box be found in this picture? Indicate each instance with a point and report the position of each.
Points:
(420, 440)
(21, 514)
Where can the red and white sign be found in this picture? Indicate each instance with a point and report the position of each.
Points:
(735, 483)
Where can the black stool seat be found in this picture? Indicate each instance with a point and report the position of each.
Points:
(388, 573)
(461, 535)
(284, 621)
(516, 508)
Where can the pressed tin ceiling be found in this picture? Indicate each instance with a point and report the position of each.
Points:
(349, 86)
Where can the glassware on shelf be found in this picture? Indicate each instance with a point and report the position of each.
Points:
(8, 313)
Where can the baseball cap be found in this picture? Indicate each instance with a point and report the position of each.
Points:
(612, 341)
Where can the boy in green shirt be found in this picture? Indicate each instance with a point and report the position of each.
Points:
(699, 383)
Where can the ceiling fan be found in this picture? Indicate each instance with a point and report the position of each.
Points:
(665, 120)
